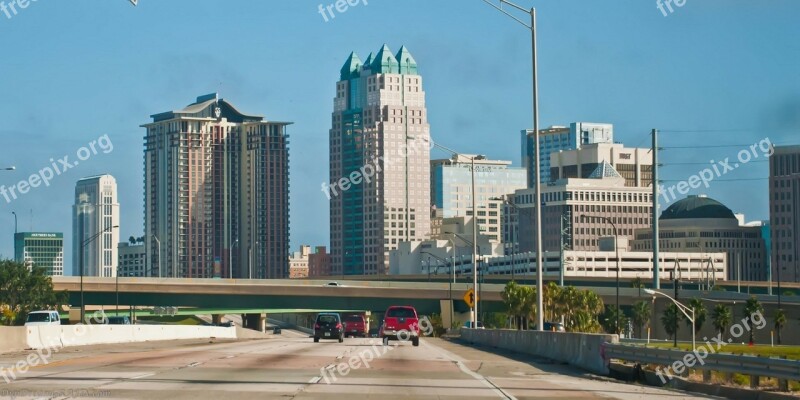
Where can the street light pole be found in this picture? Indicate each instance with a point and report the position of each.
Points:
(83, 244)
(474, 245)
(682, 307)
(616, 253)
(230, 259)
(538, 176)
(158, 250)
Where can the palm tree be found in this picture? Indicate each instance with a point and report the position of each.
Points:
(699, 314)
(670, 320)
(641, 315)
(132, 240)
(721, 319)
(780, 321)
(752, 307)
(512, 301)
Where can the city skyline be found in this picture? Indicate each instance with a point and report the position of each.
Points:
(460, 84)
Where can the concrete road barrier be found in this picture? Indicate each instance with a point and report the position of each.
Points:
(583, 350)
(40, 337)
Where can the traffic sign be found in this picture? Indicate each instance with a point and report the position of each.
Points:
(470, 298)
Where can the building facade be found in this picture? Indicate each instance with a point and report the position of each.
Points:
(702, 225)
(132, 260)
(40, 250)
(298, 263)
(633, 164)
(558, 138)
(319, 262)
(379, 187)
(451, 190)
(216, 193)
(784, 212)
(604, 194)
(96, 210)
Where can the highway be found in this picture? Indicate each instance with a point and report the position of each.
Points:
(290, 366)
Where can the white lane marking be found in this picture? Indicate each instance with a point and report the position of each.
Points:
(315, 379)
(194, 364)
(498, 391)
(143, 375)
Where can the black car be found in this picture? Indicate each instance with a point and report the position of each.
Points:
(328, 326)
(119, 320)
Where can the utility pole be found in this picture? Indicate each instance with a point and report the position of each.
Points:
(656, 282)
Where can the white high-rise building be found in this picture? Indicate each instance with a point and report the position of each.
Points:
(96, 208)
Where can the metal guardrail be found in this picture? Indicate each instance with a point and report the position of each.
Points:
(731, 363)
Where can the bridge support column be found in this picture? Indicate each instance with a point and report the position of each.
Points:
(257, 322)
(216, 319)
(446, 311)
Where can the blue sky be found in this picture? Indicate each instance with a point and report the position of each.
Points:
(74, 71)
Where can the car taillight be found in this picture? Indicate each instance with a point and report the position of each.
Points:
(338, 326)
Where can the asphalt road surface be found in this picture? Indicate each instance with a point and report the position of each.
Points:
(292, 366)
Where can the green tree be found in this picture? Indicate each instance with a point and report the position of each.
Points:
(700, 314)
(721, 318)
(519, 301)
(752, 307)
(780, 321)
(132, 240)
(670, 319)
(641, 315)
(637, 283)
(611, 321)
(23, 290)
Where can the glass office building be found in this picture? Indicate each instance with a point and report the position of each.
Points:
(41, 250)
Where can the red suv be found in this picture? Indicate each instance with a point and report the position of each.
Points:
(400, 323)
(355, 325)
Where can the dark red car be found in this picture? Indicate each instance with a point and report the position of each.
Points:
(355, 325)
(400, 323)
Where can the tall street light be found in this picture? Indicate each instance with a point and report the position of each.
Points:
(584, 218)
(230, 259)
(686, 310)
(472, 159)
(475, 251)
(83, 245)
(538, 175)
(8, 168)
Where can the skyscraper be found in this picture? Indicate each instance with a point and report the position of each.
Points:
(216, 193)
(784, 209)
(379, 186)
(96, 209)
(451, 190)
(557, 138)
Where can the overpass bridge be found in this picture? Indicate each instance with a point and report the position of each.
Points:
(371, 295)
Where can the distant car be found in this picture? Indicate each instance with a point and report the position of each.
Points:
(276, 330)
(124, 320)
(227, 324)
(479, 324)
(332, 284)
(554, 327)
(41, 318)
(400, 322)
(373, 332)
(328, 326)
(356, 325)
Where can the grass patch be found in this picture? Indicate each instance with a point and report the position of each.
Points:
(172, 320)
(790, 352)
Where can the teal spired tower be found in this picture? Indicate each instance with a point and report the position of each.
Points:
(379, 187)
